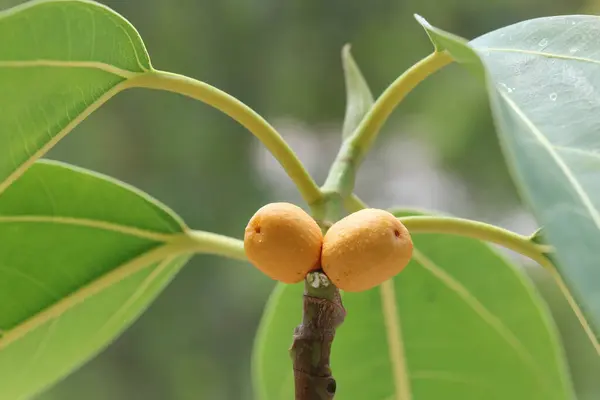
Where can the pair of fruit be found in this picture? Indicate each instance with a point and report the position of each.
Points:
(357, 253)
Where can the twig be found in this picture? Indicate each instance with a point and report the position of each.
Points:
(323, 312)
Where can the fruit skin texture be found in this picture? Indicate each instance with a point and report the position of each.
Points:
(283, 242)
(365, 249)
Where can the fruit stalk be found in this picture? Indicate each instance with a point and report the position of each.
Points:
(323, 312)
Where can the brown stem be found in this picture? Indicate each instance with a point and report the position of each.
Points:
(323, 312)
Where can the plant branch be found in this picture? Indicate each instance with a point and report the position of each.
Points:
(241, 113)
(465, 227)
(353, 150)
(323, 312)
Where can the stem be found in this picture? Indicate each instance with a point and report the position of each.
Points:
(323, 312)
(328, 210)
(241, 113)
(353, 150)
(370, 126)
(354, 203)
(466, 227)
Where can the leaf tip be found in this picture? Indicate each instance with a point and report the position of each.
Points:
(428, 30)
(346, 48)
(347, 59)
(422, 21)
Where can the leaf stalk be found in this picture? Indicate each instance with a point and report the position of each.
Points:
(241, 113)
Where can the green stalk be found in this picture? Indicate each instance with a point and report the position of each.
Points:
(202, 242)
(343, 171)
(243, 114)
(477, 230)
(465, 227)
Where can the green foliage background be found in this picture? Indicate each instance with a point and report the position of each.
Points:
(283, 59)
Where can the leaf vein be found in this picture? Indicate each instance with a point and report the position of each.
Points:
(160, 268)
(90, 223)
(486, 315)
(129, 38)
(119, 273)
(585, 199)
(576, 150)
(20, 169)
(123, 73)
(41, 285)
(537, 53)
(393, 329)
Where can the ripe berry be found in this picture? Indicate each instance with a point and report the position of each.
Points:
(283, 242)
(365, 249)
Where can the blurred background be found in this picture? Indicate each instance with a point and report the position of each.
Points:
(282, 57)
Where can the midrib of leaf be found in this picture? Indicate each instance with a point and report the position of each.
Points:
(559, 162)
(116, 275)
(393, 330)
(486, 315)
(61, 134)
(574, 307)
(536, 53)
(111, 69)
(89, 223)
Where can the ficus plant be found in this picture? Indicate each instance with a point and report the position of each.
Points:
(395, 304)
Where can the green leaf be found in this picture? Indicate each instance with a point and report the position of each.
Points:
(359, 98)
(543, 78)
(584, 362)
(81, 257)
(61, 60)
(459, 322)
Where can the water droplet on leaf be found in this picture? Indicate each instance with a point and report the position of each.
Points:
(505, 86)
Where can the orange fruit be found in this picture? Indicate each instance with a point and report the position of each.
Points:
(283, 242)
(365, 249)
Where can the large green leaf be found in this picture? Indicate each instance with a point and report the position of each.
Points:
(458, 323)
(80, 257)
(584, 363)
(544, 84)
(59, 61)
